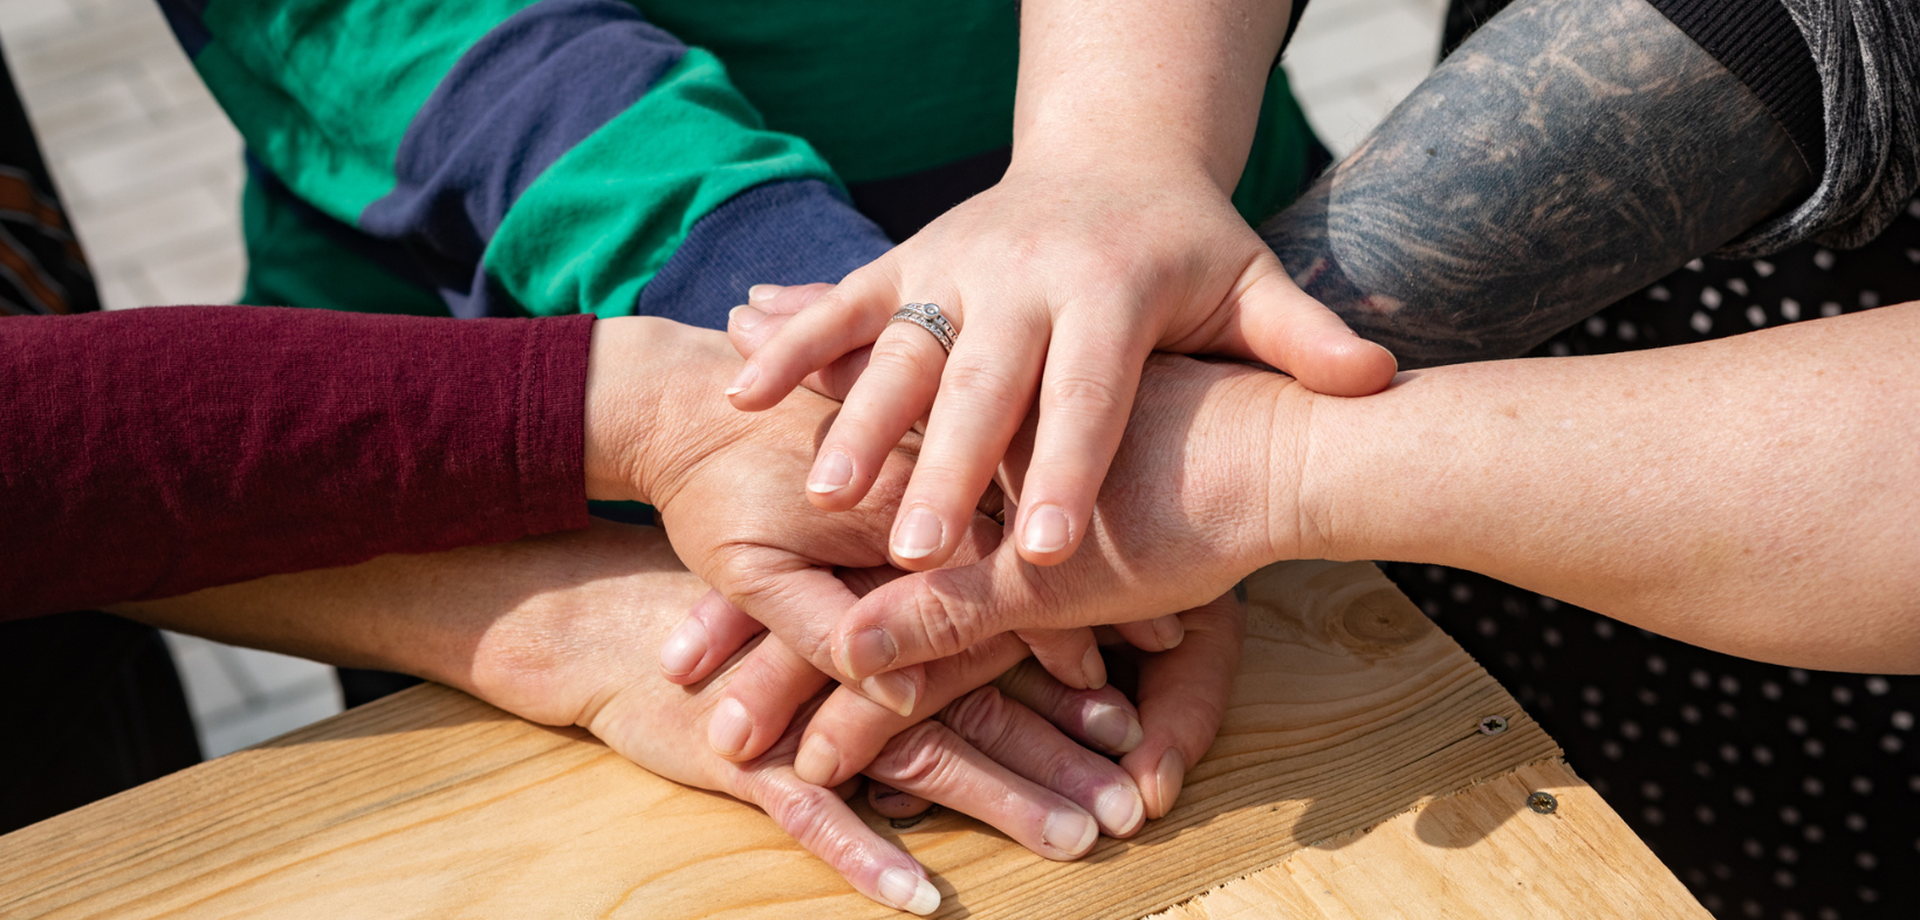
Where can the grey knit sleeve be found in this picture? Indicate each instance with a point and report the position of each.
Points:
(1867, 53)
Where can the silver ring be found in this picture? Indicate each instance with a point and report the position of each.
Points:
(928, 316)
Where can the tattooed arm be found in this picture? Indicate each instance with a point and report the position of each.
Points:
(1568, 154)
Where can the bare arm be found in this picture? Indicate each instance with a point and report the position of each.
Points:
(1569, 153)
(1176, 85)
(559, 629)
(1758, 495)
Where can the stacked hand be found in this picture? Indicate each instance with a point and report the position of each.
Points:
(1184, 516)
(548, 628)
(718, 479)
(1060, 282)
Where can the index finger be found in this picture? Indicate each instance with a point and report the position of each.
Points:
(822, 823)
(931, 615)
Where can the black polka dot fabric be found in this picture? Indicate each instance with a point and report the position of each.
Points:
(1771, 792)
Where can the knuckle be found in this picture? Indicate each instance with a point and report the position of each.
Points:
(899, 360)
(978, 378)
(980, 718)
(914, 760)
(1029, 684)
(946, 634)
(805, 813)
(746, 585)
(1064, 771)
(797, 807)
(1091, 397)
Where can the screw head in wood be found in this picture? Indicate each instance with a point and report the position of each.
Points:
(1543, 803)
(1493, 725)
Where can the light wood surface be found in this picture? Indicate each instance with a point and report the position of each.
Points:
(1478, 854)
(1352, 712)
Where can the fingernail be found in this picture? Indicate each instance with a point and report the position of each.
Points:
(761, 293)
(744, 317)
(1120, 810)
(1171, 773)
(908, 892)
(831, 474)
(727, 731)
(1070, 831)
(1046, 531)
(918, 534)
(1095, 668)
(869, 651)
(893, 690)
(1113, 728)
(1170, 631)
(684, 648)
(817, 761)
(748, 375)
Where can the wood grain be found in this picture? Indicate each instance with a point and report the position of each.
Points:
(1479, 852)
(1352, 708)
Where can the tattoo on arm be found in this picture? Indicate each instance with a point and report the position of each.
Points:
(1566, 155)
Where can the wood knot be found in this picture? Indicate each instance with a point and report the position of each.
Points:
(1379, 622)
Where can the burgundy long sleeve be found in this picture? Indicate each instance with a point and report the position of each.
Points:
(154, 452)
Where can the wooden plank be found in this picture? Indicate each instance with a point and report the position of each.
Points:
(1351, 708)
(1481, 852)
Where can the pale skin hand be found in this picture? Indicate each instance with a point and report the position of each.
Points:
(548, 628)
(1110, 236)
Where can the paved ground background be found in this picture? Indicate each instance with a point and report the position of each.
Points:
(150, 170)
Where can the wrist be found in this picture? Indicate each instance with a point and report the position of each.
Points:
(625, 369)
(1132, 158)
(1303, 499)
(653, 405)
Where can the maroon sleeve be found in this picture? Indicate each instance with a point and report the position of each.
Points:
(153, 452)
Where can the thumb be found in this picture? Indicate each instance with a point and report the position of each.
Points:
(1272, 320)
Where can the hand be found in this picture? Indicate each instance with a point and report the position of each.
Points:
(1182, 694)
(1060, 281)
(721, 482)
(1191, 508)
(548, 628)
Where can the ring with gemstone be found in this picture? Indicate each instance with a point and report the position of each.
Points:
(928, 316)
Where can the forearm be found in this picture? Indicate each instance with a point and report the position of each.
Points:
(154, 452)
(495, 621)
(1754, 495)
(1568, 154)
(1180, 83)
(528, 157)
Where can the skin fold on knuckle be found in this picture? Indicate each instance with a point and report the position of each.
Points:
(943, 618)
(980, 718)
(985, 381)
(1089, 400)
(902, 359)
(806, 813)
(1029, 683)
(918, 760)
(762, 593)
